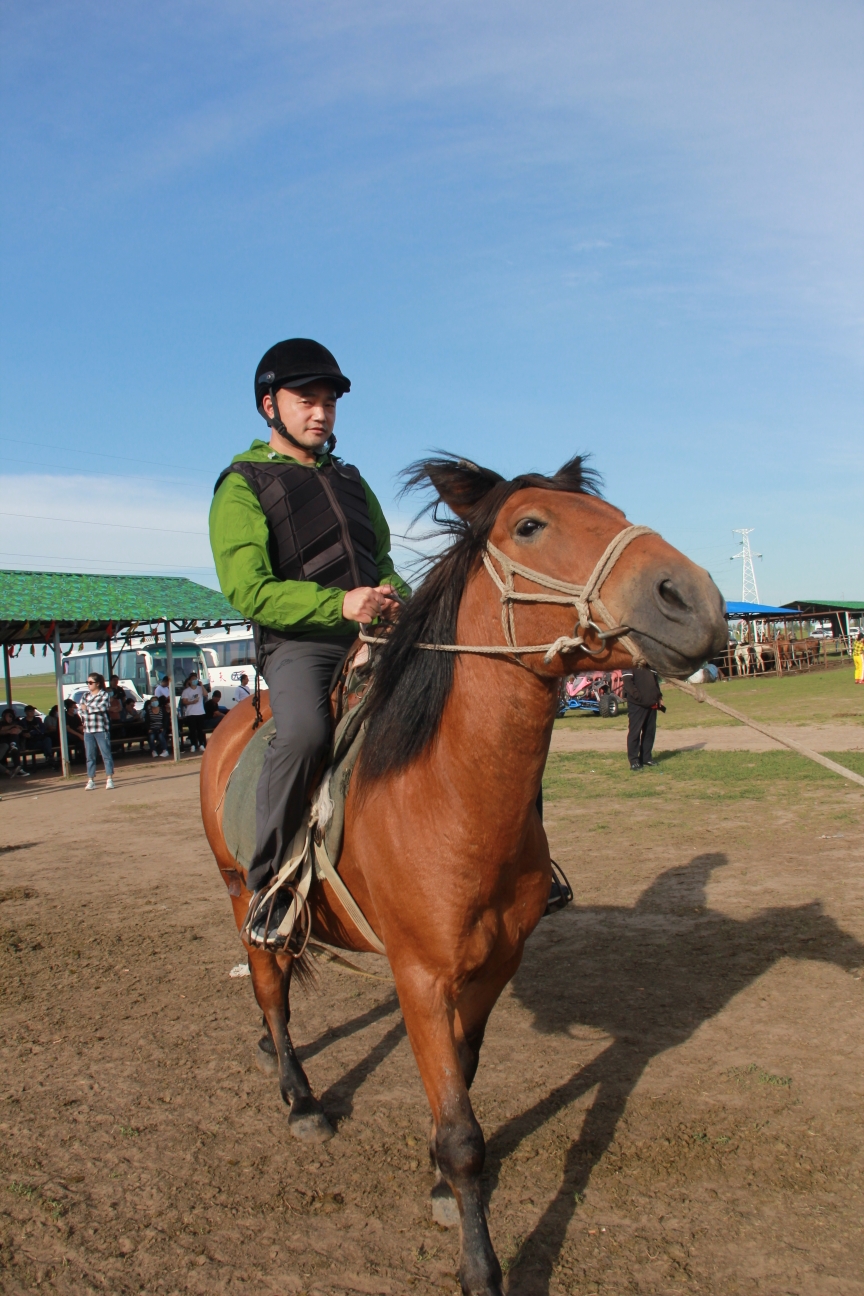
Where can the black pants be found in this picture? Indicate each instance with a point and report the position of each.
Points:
(298, 674)
(640, 733)
(195, 725)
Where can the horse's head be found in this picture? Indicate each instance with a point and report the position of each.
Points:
(559, 530)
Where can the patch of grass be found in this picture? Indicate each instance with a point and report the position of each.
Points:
(850, 760)
(756, 1073)
(592, 778)
(35, 690)
(820, 697)
(509, 1262)
(23, 1190)
(129, 1131)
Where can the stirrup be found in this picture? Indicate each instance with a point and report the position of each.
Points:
(560, 893)
(278, 920)
(281, 906)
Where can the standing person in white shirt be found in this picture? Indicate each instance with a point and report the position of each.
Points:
(243, 690)
(192, 698)
(162, 690)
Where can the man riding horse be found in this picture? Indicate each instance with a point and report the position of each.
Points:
(302, 548)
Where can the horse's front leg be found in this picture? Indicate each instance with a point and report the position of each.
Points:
(271, 981)
(472, 1014)
(458, 1146)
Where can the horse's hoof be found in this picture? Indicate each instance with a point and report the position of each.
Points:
(445, 1211)
(312, 1127)
(266, 1061)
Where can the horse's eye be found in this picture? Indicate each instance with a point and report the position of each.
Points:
(529, 526)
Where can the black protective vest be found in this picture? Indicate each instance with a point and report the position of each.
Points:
(319, 523)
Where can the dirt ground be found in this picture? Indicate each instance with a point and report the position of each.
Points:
(580, 736)
(671, 1088)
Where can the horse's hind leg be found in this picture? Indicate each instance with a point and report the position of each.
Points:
(458, 1148)
(271, 981)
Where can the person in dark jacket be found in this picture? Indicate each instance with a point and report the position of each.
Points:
(36, 736)
(644, 700)
(154, 718)
(214, 710)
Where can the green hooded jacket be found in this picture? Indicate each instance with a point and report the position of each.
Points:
(239, 538)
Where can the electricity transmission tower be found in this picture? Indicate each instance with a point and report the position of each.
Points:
(749, 592)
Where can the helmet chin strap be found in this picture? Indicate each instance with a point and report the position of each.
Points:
(278, 426)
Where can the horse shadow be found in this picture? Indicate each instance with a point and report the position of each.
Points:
(648, 976)
(338, 1100)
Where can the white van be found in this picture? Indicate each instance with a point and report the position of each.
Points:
(228, 657)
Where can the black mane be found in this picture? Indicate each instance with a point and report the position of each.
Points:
(411, 685)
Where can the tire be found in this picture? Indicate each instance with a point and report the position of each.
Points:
(608, 705)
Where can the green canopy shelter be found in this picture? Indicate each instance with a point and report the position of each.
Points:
(58, 607)
(837, 613)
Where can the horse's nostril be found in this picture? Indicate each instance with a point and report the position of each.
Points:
(671, 596)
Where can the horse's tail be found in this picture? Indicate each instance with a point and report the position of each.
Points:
(304, 973)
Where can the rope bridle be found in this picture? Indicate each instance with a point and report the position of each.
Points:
(581, 597)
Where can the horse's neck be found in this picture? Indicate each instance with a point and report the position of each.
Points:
(495, 730)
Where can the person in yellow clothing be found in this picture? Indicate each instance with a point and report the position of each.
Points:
(858, 658)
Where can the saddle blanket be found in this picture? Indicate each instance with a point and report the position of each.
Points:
(328, 810)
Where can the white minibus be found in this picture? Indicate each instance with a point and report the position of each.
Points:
(229, 656)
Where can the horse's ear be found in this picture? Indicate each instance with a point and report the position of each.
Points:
(460, 483)
(575, 475)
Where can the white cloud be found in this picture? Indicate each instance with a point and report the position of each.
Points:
(104, 524)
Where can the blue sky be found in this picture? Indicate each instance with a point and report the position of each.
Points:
(525, 231)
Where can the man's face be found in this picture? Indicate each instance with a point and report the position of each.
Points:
(309, 413)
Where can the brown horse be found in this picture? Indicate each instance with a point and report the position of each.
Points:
(444, 849)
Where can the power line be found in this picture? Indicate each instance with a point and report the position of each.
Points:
(44, 445)
(125, 526)
(40, 463)
(107, 562)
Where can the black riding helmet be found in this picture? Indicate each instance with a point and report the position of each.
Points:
(295, 363)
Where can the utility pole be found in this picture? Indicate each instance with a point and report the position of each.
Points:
(749, 592)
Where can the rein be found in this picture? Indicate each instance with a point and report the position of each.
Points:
(581, 597)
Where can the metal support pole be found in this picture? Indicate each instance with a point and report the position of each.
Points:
(8, 676)
(172, 697)
(61, 710)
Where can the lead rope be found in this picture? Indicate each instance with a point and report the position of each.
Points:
(580, 596)
(256, 696)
